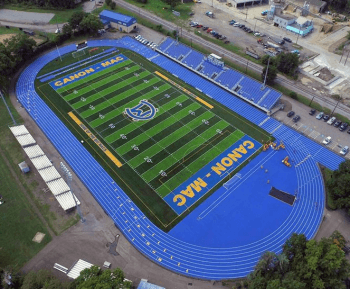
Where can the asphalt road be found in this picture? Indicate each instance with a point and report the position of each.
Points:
(290, 84)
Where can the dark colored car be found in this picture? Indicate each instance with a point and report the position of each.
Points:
(227, 42)
(326, 117)
(287, 39)
(344, 126)
(337, 123)
(281, 42)
(296, 118)
(312, 112)
(205, 28)
(348, 131)
(242, 26)
(291, 113)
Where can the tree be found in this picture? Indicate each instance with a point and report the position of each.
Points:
(293, 95)
(95, 278)
(91, 24)
(113, 5)
(76, 18)
(67, 30)
(42, 279)
(21, 46)
(339, 186)
(287, 63)
(271, 74)
(172, 3)
(108, 2)
(302, 264)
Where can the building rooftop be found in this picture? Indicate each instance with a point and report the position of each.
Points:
(109, 15)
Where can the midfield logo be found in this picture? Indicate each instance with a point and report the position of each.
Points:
(143, 111)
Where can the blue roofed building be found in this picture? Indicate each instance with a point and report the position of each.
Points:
(145, 285)
(123, 23)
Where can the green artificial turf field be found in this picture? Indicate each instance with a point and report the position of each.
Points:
(159, 154)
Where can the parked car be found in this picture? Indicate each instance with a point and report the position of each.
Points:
(320, 115)
(236, 24)
(337, 123)
(205, 28)
(312, 112)
(281, 42)
(343, 126)
(291, 113)
(326, 117)
(199, 26)
(344, 150)
(327, 140)
(331, 120)
(296, 118)
(232, 22)
(227, 42)
(287, 39)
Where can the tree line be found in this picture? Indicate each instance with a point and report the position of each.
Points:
(64, 4)
(16, 50)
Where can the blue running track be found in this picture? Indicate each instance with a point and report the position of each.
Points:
(253, 222)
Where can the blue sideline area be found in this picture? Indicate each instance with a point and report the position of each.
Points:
(182, 253)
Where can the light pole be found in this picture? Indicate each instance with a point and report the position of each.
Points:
(69, 177)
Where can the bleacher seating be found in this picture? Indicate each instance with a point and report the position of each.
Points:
(250, 89)
(211, 263)
(176, 50)
(193, 59)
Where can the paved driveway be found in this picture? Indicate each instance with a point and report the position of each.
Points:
(25, 17)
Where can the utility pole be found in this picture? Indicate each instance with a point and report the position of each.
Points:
(312, 99)
(336, 105)
(296, 42)
(342, 55)
(267, 68)
(255, 25)
(246, 15)
(69, 177)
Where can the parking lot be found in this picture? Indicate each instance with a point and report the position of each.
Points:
(315, 129)
(236, 35)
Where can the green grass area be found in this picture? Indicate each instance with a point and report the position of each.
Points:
(164, 11)
(327, 175)
(61, 16)
(19, 222)
(172, 128)
(11, 30)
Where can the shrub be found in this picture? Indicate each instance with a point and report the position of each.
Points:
(293, 95)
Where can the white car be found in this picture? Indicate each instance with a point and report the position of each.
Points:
(344, 150)
(327, 140)
(236, 24)
(320, 115)
(331, 120)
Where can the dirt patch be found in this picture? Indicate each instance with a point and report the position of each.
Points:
(38, 40)
(325, 74)
(6, 36)
(334, 47)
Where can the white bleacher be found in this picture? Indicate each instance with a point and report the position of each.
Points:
(25, 140)
(41, 162)
(34, 151)
(19, 130)
(47, 171)
(58, 186)
(79, 266)
(66, 200)
(49, 174)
